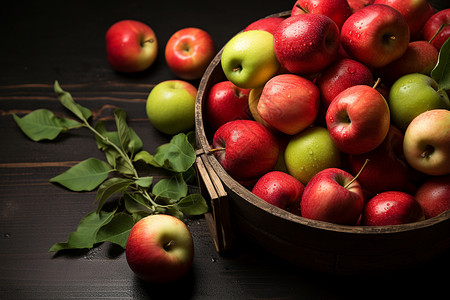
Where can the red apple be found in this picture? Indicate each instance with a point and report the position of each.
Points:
(392, 208)
(131, 46)
(189, 51)
(306, 43)
(333, 196)
(356, 5)
(415, 12)
(269, 24)
(289, 103)
(386, 170)
(375, 35)
(246, 149)
(341, 75)
(336, 10)
(434, 195)
(281, 190)
(160, 249)
(419, 57)
(433, 26)
(226, 102)
(358, 119)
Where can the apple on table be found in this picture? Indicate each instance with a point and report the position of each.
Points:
(131, 46)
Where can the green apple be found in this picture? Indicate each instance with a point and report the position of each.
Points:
(248, 59)
(413, 94)
(171, 106)
(310, 152)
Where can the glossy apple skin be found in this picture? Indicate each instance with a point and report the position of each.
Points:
(306, 43)
(356, 5)
(281, 190)
(269, 24)
(310, 152)
(131, 46)
(375, 35)
(434, 195)
(326, 199)
(289, 103)
(188, 52)
(415, 12)
(160, 249)
(432, 26)
(392, 208)
(341, 75)
(419, 57)
(226, 102)
(249, 149)
(248, 59)
(413, 94)
(358, 119)
(426, 144)
(336, 10)
(386, 170)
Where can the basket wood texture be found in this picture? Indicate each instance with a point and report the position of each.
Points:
(316, 245)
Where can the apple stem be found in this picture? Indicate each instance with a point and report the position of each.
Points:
(302, 8)
(357, 175)
(216, 149)
(377, 83)
(437, 32)
(428, 150)
(169, 245)
(151, 40)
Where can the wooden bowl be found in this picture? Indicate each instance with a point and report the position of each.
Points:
(316, 245)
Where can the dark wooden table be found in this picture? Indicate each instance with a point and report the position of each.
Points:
(44, 41)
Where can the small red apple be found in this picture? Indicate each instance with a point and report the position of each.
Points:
(189, 51)
(226, 102)
(131, 46)
(269, 24)
(336, 10)
(434, 195)
(246, 149)
(281, 190)
(439, 24)
(392, 208)
(160, 249)
(332, 195)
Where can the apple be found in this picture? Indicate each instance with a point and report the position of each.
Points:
(415, 12)
(358, 119)
(356, 5)
(171, 106)
(437, 28)
(413, 94)
(392, 208)
(310, 152)
(248, 59)
(131, 46)
(333, 195)
(341, 75)
(160, 249)
(336, 10)
(306, 43)
(386, 170)
(268, 24)
(245, 149)
(289, 103)
(434, 195)
(281, 190)
(426, 144)
(419, 57)
(375, 35)
(253, 100)
(226, 102)
(188, 52)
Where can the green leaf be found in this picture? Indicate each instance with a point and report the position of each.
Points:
(84, 176)
(42, 124)
(136, 203)
(178, 155)
(147, 158)
(174, 187)
(134, 144)
(109, 188)
(86, 234)
(441, 72)
(123, 130)
(144, 182)
(117, 230)
(67, 101)
(193, 204)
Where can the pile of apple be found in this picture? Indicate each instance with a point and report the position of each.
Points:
(331, 113)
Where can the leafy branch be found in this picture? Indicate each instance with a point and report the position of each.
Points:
(139, 196)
